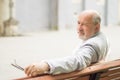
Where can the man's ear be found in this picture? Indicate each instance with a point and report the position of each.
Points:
(97, 27)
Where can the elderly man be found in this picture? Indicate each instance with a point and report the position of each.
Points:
(93, 49)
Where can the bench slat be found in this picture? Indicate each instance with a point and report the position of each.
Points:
(110, 72)
(113, 77)
(44, 77)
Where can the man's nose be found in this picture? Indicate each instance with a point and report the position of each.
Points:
(80, 27)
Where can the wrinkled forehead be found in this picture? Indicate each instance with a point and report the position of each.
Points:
(85, 17)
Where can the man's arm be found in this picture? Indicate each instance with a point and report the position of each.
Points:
(81, 59)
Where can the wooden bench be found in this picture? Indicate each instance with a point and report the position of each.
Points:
(103, 71)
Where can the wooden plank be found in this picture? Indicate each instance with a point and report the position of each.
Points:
(113, 77)
(109, 72)
(43, 77)
(51, 78)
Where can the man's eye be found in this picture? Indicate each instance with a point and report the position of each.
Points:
(78, 22)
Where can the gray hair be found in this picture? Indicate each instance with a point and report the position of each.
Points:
(96, 18)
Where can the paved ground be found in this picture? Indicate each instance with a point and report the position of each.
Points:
(34, 47)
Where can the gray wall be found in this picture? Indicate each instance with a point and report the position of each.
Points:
(38, 15)
(33, 15)
(113, 12)
(68, 11)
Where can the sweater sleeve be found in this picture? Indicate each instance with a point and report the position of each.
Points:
(81, 59)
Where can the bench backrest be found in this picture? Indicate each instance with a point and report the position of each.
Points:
(102, 71)
(111, 74)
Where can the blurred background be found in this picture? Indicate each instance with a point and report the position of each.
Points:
(33, 30)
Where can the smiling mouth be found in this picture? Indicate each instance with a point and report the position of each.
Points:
(80, 32)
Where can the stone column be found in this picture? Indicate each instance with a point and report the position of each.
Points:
(4, 14)
(11, 24)
(54, 14)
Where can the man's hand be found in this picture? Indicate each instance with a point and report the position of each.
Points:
(37, 69)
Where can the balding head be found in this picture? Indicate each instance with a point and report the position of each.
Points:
(92, 14)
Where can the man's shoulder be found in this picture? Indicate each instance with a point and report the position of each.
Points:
(100, 37)
(95, 41)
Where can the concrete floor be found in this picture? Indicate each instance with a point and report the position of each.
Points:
(34, 47)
